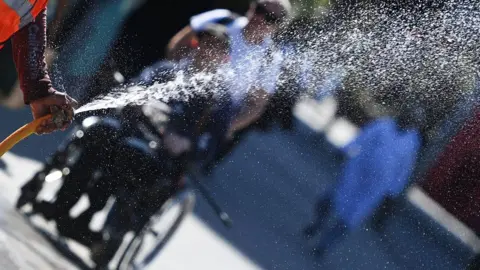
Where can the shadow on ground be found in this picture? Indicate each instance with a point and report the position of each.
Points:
(269, 185)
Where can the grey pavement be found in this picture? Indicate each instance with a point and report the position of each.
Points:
(268, 186)
(273, 180)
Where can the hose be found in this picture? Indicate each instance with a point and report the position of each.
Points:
(21, 134)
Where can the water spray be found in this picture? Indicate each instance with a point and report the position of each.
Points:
(433, 55)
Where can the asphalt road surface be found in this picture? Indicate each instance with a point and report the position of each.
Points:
(268, 186)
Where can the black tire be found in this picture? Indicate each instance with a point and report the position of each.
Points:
(31, 189)
(186, 201)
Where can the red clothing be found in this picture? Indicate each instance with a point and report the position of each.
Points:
(25, 23)
(29, 45)
(16, 14)
(454, 181)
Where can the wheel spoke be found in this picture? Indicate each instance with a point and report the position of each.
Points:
(152, 231)
(143, 254)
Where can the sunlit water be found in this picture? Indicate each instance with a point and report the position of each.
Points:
(429, 57)
(182, 88)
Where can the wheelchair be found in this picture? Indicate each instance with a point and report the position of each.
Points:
(116, 155)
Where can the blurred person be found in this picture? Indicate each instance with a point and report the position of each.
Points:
(188, 119)
(211, 52)
(381, 160)
(278, 110)
(180, 138)
(289, 87)
(260, 22)
(211, 55)
(157, 173)
(255, 60)
(181, 46)
(251, 41)
(24, 22)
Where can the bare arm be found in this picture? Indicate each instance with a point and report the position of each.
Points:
(257, 104)
(180, 44)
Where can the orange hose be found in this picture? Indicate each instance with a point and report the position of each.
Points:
(21, 134)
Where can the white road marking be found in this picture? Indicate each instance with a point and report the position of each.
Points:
(341, 132)
(433, 209)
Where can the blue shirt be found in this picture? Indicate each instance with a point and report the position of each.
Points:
(383, 159)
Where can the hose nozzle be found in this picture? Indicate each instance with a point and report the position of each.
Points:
(58, 117)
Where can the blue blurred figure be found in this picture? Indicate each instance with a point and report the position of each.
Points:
(381, 160)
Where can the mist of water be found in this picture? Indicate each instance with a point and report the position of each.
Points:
(431, 56)
(181, 88)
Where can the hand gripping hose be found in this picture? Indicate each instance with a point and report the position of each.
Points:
(28, 130)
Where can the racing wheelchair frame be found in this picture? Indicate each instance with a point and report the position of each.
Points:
(137, 132)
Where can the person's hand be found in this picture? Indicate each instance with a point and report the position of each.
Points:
(52, 104)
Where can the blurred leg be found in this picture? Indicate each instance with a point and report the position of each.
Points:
(321, 211)
(331, 237)
(382, 214)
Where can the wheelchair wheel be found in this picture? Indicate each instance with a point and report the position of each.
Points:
(58, 163)
(146, 245)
